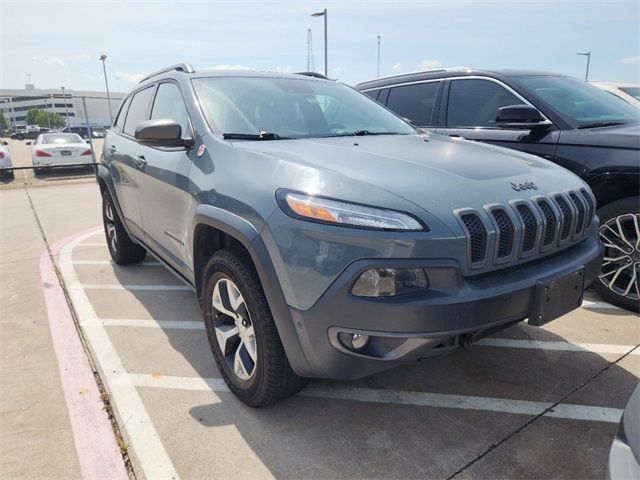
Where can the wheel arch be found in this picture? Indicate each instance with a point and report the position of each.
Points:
(612, 186)
(215, 229)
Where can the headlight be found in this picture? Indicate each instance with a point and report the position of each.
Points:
(348, 214)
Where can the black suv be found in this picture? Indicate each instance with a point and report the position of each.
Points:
(578, 126)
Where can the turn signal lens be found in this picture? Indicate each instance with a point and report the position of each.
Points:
(349, 214)
(40, 153)
(87, 152)
(388, 282)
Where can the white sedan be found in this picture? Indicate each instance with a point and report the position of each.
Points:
(6, 171)
(629, 92)
(60, 149)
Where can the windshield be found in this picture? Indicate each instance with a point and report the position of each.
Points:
(578, 102)
(291, 108)
(62, 138)
(633, 91)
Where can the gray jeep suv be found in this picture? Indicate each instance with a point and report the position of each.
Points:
(325, 236)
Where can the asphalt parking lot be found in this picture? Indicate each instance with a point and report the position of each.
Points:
(527, 402)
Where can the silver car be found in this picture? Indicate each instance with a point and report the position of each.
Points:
(6, 171)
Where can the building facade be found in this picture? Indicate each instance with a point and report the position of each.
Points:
(68, 103)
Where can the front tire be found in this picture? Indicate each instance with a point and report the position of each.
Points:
(122, 249)
(619, 279)
(242, 333)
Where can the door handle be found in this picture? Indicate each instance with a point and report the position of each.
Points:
(455, 136)
(140, 161)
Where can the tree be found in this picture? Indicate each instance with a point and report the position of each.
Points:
(42, 118)
(4, 123)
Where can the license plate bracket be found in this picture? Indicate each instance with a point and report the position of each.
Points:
(65, 153)
(556, 297)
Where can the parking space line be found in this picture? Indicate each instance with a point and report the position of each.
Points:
(398, 397)
(599, 305)
(132, 322)
(94, 244)
(119, 286)
(133, 415)
(96, 447)
(109, 262)
(558, 346)
(484, 342)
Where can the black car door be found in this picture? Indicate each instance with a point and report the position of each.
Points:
(470, 105)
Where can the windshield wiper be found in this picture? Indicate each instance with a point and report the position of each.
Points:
(253, 136)
(360, 133)
(601, 124)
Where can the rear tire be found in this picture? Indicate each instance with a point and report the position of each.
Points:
(122, 249)
(254, 364)
(619, 280)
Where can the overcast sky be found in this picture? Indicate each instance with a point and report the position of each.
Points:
(59, 42)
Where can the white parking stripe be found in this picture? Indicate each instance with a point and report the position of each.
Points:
(149, 450)
(484, 342)
(133, 322)
(109, 262)
(559, 346)
(398, 397)
(599, 305)
(97, 244)
(119, 286)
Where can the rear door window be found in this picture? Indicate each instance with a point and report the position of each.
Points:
(475, 102)
(138, 110)
(372, 93)
(415, 102)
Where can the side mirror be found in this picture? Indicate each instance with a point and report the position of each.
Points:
(522, 117)
(409, 121)
(27, 143)
(161, 133)
(5, 142)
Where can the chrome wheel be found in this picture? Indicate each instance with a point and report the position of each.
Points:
(110, 226)
(234, 329)
(621, 267)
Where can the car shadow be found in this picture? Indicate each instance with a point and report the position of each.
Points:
(308, 436)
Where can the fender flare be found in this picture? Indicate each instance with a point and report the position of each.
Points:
(247, 234)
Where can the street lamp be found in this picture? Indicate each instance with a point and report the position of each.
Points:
(66, 110)
(324, 14)
(106, 84)
(378, 56)
(588, 55)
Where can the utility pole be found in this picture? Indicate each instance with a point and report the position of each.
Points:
(310, 63)
(378, 56)
(588, 55)
(324, 14)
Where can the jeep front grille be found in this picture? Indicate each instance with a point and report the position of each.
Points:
(476, 235)
(502, 234)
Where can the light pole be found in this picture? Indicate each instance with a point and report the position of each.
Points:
(588, 55)
(28, 78)
(378, 56)
(106, 84)
(323, 13)
(66, 110)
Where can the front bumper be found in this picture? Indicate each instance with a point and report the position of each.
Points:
(453, 311)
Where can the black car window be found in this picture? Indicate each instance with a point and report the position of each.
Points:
(372, 93)
(122, 114)
(169, 104)
(415, 102)
(138, 110)
(475, 103)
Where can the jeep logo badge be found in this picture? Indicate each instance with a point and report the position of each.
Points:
(524, 186)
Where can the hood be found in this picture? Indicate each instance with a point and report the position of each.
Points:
(435, 174)
(617, 136)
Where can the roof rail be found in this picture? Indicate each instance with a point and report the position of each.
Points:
(313, 74)
(180, 67)
(416, 72)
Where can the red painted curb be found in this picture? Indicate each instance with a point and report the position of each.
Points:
(96, 448)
